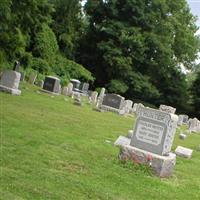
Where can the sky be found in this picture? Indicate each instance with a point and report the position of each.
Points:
(195, 9)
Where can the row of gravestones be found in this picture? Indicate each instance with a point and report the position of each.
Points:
(151, 139)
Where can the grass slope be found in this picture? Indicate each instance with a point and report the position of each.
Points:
(52, 149)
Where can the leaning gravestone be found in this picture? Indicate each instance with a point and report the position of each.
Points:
(167, 109)
(10, 82)
(112, 102)
(152, 141)
(101, 96)
(51, 85)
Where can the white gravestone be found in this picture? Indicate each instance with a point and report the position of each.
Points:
(94, 97)
(183, 152)
(167, 109)
(154, 130)
(127, 106)
(10, 82)
(194, 125)
(101, 96)
(65, 91)
(70, 89)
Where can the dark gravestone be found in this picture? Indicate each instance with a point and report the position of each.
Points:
(76, 84)
(16, 66)
(113, 100)
(52, 84)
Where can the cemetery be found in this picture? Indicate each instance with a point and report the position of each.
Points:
(57, 147)
(100, 99)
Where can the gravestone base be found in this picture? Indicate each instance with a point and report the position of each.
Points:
(10, 90)
(104, 108)
(162, 166)
(46, 91)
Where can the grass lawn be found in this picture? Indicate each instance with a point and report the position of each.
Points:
(52, 149)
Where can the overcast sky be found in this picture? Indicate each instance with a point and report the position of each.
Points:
(195, 9)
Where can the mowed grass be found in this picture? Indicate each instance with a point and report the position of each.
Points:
(52, 149)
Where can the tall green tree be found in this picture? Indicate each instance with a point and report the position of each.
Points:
(67, 25)
(142, 44)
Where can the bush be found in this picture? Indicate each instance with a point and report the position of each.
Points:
(40, 65)
(117, 86)
(46, 46)
(70, 69)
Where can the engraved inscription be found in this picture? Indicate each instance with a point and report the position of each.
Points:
(149, 133)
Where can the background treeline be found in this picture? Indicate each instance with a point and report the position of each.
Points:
(132, 47)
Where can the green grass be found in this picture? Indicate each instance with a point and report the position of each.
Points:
(52, 149)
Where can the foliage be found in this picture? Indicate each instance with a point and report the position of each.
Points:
(196, 95)
(117, 86)
(40, 65)
(143, 44)
(46, 45)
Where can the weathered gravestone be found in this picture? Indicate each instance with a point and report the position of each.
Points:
(182, 119)
(183, 152)
(194, 125)
(65, 91)
(70, 89)
(127, 107)
(101, 96)
(152, 141)
(77, 98)
(85, 88)
(167, 109)
(32, 78)
(10, 82)
(51, 85)
(93, 97)
(112, 102)
(16, 66)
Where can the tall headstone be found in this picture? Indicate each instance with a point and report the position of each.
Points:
(154, 130)
(85, 87)
(16, 66)
(182, 119)
(167, 109)
(101, 96)
(65, 91)
(194, 125)
(32, 78)
(10, 82)
(127, 106)
(70, 89)
(51, 84)
(94, 97)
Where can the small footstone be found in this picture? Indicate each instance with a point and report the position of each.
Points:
(182, 136)
(122, 141)
(183, 152)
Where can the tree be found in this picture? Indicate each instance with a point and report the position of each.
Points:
(196, 95)
(145, 40)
